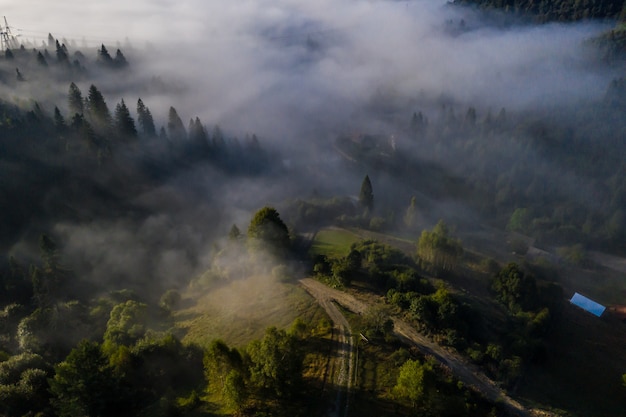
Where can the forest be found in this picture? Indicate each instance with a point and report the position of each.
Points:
(151, 266)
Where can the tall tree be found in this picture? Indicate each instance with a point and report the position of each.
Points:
(366, 196)
(61, 54)
(439, 249)
(268, 229)
(75, 100)
(175, 127)
(120, 60)
(97, 108)
(41, 60)
(276, 362)
(123, 122)
(84, 384)
(411, 213)
(103, 56)
(145, 120)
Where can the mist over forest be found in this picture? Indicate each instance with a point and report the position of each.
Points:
(144, 145)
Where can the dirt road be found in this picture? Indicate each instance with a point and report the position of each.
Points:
(342, 366)
(469, 374)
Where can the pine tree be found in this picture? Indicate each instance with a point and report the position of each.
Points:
(59, 121)
(175, 127)
(120, 60)
(123, 122)
(41, 60)
(366, 196)
(61, 54)
(104, 57)
(145, 120)
(51, 41)
(97, 108)
(75, 100)
(198, 135)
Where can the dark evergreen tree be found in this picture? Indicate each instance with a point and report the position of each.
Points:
(97, 108)
(218, 138)
(61, 54)
(366, 196)
(103, 56)
(41, 60)
(145, 120)
(123, 122)
(51, 41)
(120, 60)
(175, 127)
(198, 135)
(8, 55)
(234, 233)
(19, 75)
(59, 121)
(75, 100)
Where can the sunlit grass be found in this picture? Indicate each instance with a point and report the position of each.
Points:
(333, 243)
(240, 312)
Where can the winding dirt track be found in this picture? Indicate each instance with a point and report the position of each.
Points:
(469, 374)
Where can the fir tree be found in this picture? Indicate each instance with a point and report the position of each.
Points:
(175, 127)
(145, 120)
(123, 122)
(366, 196)
(75, 100)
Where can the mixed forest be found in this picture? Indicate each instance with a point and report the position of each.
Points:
(470, 226)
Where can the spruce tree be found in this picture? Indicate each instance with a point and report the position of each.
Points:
(123, 122)
(175, 127)
(366, 196)
(145, 120)
(75, 100)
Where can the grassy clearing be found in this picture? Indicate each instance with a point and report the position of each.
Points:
(240, 312)
(333, 243)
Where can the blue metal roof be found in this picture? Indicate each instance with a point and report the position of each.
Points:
(587, 304)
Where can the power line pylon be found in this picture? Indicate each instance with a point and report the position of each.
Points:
(7, 39)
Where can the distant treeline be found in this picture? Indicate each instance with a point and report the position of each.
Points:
(557, 10)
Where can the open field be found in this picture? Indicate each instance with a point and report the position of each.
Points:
(333, 242)
(241, 311)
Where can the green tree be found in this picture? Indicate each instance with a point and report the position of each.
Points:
(24, 385)
(84, 384)
(126, 325)
(276, 362)
(415, 382)
(438, 249)
(219, 361)
(514, 288)
(366, 195)
(267, 229)
(234, 391)
(411, 213)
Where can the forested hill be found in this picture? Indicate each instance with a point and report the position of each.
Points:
(557, 10)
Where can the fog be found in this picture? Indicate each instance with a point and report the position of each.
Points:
(297, 74)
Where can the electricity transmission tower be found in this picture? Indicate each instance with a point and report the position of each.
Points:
(7, 39)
